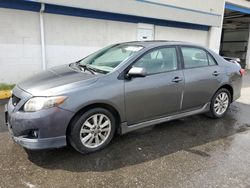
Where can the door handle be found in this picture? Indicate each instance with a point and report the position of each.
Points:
(177, 79)
(216, 73)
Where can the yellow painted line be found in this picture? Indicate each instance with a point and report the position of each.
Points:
(5, 94)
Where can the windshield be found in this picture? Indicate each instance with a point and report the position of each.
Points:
(106, 59)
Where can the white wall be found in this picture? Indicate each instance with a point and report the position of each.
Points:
(214, 34)
(179, 34)
(67, 39)
(214, 38)
(160, 10)
(19, 45)
(82, 36)
(70, 38)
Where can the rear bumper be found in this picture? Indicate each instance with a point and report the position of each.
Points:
(37, 144)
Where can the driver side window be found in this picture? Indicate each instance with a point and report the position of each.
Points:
(159, 60)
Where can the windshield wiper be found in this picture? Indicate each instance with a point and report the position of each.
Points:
(85, 67)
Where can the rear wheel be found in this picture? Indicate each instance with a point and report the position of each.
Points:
(220, 103)
(92, 131)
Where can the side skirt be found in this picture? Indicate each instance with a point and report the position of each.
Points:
(125, 128)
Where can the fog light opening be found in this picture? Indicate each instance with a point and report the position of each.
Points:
(34, 133)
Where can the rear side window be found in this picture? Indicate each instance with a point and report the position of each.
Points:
(194, 57)
(211, 60)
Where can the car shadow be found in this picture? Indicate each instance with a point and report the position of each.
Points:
(147, 144)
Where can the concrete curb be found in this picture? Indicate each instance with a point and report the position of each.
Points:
(5, 94)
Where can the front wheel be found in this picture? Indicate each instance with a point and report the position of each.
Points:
(220, 103)
(92, 131)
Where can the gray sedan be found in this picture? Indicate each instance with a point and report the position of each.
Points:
(118, 89)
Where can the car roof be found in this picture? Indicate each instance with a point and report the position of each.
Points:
(149, 43)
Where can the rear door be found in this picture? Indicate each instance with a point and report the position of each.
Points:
(159, 92)
(202, 77)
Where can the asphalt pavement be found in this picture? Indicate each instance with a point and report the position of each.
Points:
(190, 152)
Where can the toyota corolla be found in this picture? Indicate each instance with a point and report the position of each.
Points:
(118, 89)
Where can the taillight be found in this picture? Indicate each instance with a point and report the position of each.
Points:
(242, 72)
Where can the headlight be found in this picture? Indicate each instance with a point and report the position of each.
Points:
(39, 103)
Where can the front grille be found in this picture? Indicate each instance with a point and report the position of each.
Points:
(15, 100)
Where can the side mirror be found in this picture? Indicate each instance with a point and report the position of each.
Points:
(136, 72)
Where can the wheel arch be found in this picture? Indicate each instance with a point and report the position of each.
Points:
(229, 88)
(84, 109)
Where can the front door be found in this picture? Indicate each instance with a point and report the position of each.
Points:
(157, 94)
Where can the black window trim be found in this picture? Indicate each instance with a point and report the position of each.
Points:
(191, 46)
(148, 51)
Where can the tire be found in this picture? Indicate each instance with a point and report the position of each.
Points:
(92, 130)
(218, 108)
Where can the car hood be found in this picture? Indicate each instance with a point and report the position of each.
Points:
(56, 81)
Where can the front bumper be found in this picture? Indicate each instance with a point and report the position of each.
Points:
(37, 144)
(50, 124)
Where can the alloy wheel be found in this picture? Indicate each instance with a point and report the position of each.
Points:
(95, 130)
(221, 103)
